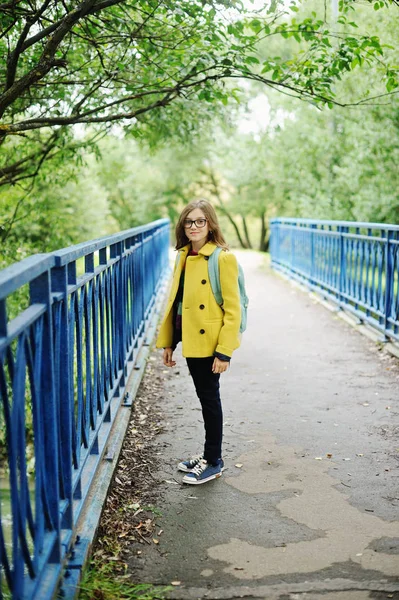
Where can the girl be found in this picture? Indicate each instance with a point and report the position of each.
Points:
(209, 333)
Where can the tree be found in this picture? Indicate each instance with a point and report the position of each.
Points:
(68, 205)
(141, 185)
(156, 69)
(108, 61)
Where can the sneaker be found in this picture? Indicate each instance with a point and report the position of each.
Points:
(188, 465)
(204, 472)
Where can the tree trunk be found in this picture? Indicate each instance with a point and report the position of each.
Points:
(264, 241)
(224, 209)
(244, 224)
(234, 224)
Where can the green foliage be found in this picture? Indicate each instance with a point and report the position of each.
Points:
(68, 205)
(121, 61)
(341, 164)
(167, 74)
(99, 581)
(141, 185)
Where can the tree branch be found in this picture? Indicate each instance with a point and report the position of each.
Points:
(12, 61)
(169, 94)
(13, 173)
(47, 60)
(51, 28)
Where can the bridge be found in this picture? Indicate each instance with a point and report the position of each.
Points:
(308, 503)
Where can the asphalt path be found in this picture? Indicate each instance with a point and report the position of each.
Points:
(307, 507)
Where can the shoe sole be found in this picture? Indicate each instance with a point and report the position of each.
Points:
(192, 481)
(185, 470)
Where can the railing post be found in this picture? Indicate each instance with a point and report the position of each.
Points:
(3, 319)
(64, 389)
(389, 277)
(142, 272)
(40, 293)
(121, 299)
(293, 232)
(275, 241)
(312, 253)
(271, 241)
(342, 265)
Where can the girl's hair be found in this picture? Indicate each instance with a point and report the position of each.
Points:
(215, 235)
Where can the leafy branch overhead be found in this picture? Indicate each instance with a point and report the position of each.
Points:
(118, 61)
(107, 60)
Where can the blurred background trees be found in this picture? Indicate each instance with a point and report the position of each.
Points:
(115, 113)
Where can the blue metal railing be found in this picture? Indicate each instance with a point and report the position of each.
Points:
(356, 265)
(64, 364)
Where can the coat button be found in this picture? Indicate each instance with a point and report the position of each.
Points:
(202, 330)
(203, 281)
(202, 306)
(206, 257)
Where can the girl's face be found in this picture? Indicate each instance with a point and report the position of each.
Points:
(196, 233)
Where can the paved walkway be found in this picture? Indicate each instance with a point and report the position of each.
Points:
(308, 504)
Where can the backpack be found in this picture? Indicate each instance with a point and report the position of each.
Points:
(214, 278)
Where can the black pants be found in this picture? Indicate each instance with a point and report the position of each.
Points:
(207, 388)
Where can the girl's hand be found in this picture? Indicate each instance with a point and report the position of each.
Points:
(220, 366)
(167, 358)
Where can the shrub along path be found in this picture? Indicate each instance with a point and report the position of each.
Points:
(308, 504)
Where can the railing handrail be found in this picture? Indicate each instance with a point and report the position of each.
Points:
(20, 273)
(77, 251)
(355, 224)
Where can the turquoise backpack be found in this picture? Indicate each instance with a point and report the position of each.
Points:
(214, 278)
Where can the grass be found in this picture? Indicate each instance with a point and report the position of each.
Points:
(150, 508)
(99, 582)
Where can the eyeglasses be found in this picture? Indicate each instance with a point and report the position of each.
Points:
(188, 223)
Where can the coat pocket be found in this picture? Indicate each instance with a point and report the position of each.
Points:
(215, 326)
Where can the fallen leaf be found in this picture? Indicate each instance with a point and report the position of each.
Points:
(124, 534)
(329, 455)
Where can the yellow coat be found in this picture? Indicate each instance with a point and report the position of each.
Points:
(206, 327)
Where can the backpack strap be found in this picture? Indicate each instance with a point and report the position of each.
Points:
(177, 260)
(214, 275)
